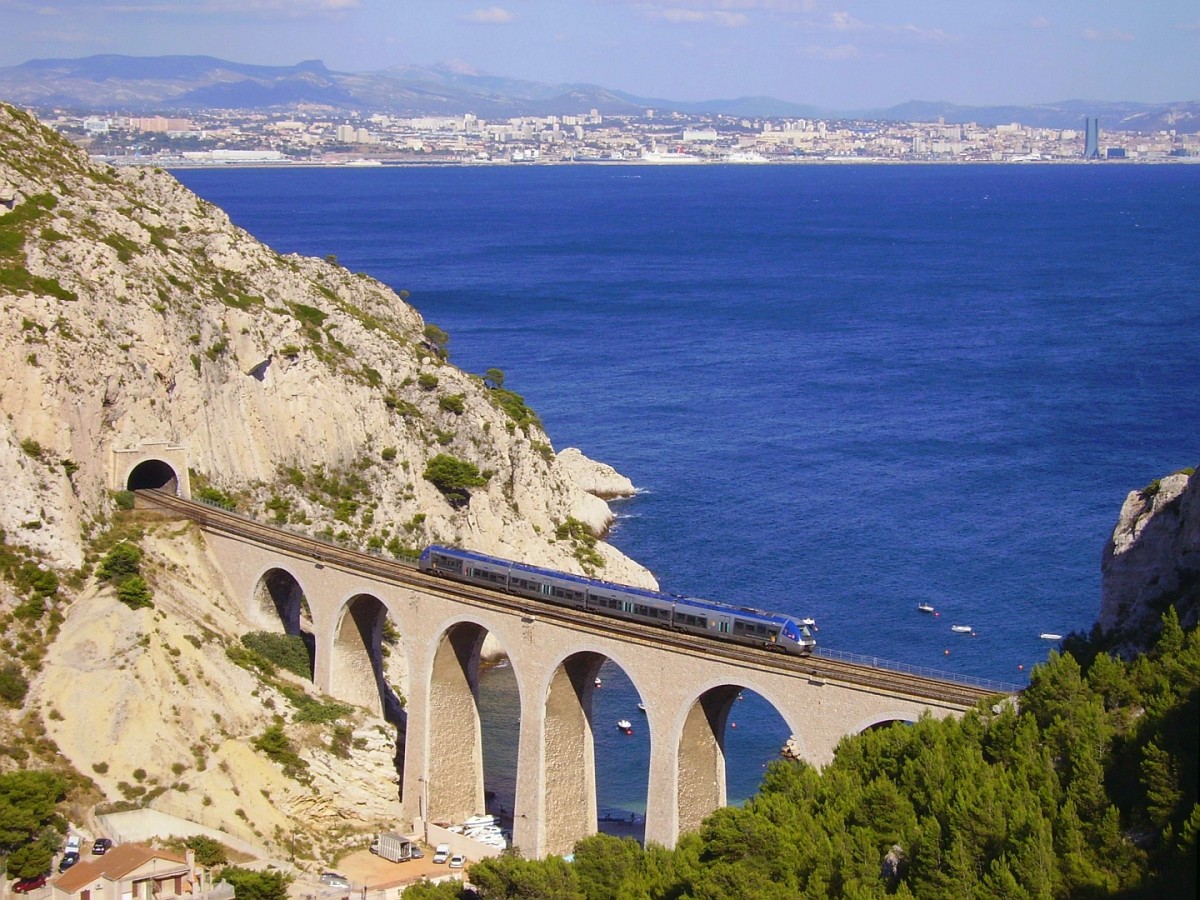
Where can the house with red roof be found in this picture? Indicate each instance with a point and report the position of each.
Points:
(129, 872)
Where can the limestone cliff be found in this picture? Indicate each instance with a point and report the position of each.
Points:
(1152, 560)
(134, 311)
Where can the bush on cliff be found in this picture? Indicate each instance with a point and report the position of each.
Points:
(452, 476)
(122, 567)
(287, 651)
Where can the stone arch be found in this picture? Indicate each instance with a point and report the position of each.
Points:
(356, 663)
(883, 720)
(153, 474)
(702, 786)
(279, 603)
(453, 787)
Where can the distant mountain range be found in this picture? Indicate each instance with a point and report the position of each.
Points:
(180, 84)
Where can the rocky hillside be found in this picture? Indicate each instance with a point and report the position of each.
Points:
(307, 395)
(135, 311)
(1152, 560)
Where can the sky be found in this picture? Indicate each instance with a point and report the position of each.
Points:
(836, 54)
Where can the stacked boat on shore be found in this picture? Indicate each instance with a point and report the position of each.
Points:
(483, 828)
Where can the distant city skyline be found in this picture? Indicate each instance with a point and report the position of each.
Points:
(847, 54)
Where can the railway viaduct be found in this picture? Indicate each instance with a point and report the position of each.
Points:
(688, 684)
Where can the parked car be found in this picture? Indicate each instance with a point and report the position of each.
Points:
(333, 879)
(417, 852)
(441, 853)
(74, 844)
(100, 846)
(69, 859)
(457, 860)
(25, 885)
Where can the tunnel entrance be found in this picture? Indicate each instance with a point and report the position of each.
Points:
(153, 474)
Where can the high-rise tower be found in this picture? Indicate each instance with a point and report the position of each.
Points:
(1091, 146)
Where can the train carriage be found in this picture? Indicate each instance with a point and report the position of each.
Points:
(721, 621)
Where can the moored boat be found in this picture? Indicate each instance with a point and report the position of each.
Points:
(962, 629)
(925, 607)
(1050, 636)
(625, 725)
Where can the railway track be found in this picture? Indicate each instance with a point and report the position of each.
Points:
(813, 668)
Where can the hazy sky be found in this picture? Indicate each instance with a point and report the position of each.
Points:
(832, 53)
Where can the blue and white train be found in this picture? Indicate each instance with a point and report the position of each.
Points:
(721, 621)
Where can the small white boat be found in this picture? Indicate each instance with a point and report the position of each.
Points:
(961, 629)
(598, 682)
(479, 821)
(625, 725)
(641, 707)
(925, 607)
(1049, 636)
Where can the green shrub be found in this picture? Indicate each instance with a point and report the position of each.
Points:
(13, 685)
(215, 495)
(287, 651)
(276, 746)
(124, 246)
(452, 476)
(309, 315)
(427, 381)
(123, 499)
(209, 851)
(250, 884)
(135, 593)
(514, 407)
(217, 349)
(122, 561)
(437, 341)
(452, 403)
(312, 710)
(250, 660)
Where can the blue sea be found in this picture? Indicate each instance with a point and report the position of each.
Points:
(840, 390)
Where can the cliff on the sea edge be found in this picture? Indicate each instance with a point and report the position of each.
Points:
(1152, 561)
(135, 311)
(310, 396)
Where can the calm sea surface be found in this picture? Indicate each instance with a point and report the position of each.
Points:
(841, 390)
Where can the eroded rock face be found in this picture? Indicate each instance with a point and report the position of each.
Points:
(131, 311)
(134, 311)
(596, 478)
(1152, 559)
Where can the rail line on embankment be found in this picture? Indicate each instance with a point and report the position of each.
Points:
(878, 676)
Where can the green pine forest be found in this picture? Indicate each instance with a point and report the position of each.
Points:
(1084, 786)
